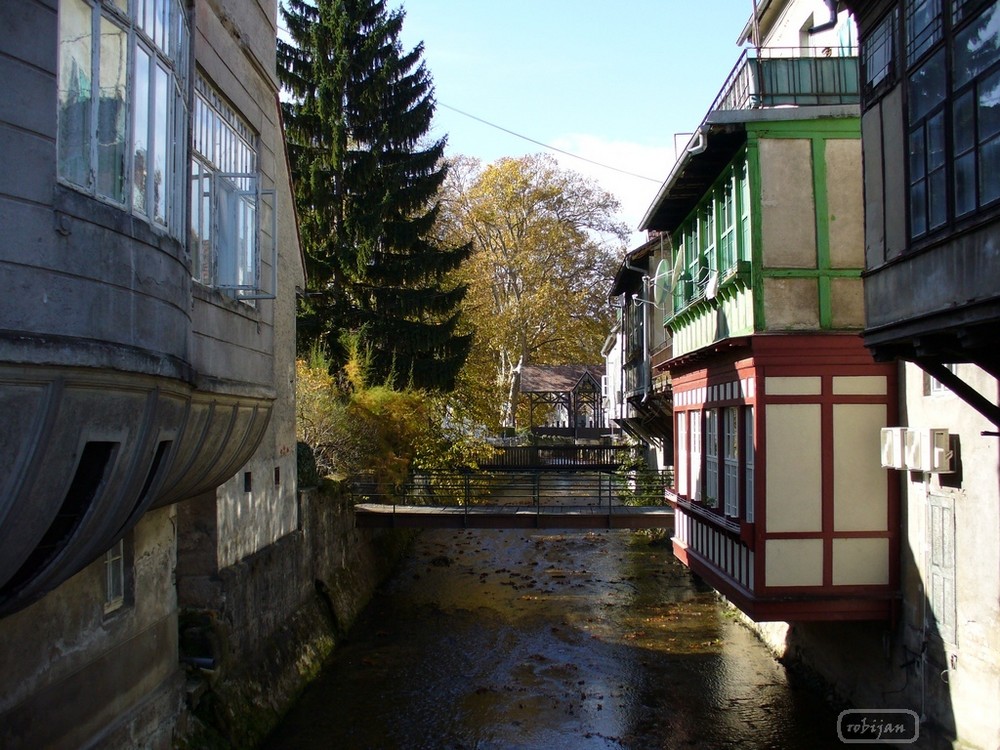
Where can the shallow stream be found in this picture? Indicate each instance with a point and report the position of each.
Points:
(576, 640)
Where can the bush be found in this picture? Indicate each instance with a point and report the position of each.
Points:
(353, 428)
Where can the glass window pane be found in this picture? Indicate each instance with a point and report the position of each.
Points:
(964, 123)
(965, 184)
(161, 24)
(878, 51)
(918, 209)
(160, 115)
(148, 17)
(927, 86)
(75, 81)
(976, 47)
(111, 112)
(938, 188)
(989, 171)
(989, 106)
(935, 141)
(918, 154)
(923, 26)
(140, 126)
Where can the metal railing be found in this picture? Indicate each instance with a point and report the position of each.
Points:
(791, 76)
(545, 492)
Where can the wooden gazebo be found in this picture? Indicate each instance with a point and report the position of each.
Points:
(567, 400)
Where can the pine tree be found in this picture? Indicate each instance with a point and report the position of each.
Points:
(366, 182)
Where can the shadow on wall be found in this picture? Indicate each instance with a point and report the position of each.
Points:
(885, 666)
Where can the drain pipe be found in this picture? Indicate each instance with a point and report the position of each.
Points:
(640, 300)
(700, 144)
(832, 5)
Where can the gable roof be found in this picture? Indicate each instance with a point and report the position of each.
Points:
(557, 378)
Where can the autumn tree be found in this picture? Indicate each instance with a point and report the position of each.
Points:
(366, 179)
(545, 246)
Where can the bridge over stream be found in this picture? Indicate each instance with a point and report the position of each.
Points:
(529, 487)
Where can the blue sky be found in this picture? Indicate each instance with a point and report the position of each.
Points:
(610, 82)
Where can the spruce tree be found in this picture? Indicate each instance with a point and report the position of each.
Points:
(366, 179)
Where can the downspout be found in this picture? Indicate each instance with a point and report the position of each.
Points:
(647, 370)
(832, 5)
(700, 144)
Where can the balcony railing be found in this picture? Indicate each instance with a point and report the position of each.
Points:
(791, 76)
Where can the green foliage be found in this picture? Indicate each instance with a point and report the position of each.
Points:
(355, 428)
(546, 245)
(642, 486)
(366, 179)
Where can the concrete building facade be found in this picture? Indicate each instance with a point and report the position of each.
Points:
(150, 258)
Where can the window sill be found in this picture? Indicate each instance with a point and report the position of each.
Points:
(724, 523)
(213, 296)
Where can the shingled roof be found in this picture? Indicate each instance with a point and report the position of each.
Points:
(556, 378)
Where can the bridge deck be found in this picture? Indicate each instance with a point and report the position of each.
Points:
(384, 515)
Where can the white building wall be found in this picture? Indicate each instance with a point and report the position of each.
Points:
(952, 591)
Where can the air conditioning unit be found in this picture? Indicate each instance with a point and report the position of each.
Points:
(928, 449)
(893, 440)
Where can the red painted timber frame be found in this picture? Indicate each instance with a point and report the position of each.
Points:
(791, 355)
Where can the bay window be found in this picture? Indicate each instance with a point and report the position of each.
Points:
(122, 104)
(227, 200)
(953, 88)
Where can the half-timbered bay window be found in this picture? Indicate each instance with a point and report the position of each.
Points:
(122, 104)
(226, 199)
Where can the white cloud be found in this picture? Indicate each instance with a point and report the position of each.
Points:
(634, 194)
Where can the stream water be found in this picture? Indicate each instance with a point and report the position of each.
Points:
(563, 641)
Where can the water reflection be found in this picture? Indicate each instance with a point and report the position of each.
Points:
(560, 641)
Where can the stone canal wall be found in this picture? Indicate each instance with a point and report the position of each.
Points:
(867, 665)
(279, 614)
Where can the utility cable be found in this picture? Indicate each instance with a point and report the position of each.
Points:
(545, 145)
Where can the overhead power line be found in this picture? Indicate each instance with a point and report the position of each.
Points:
(545, 145)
